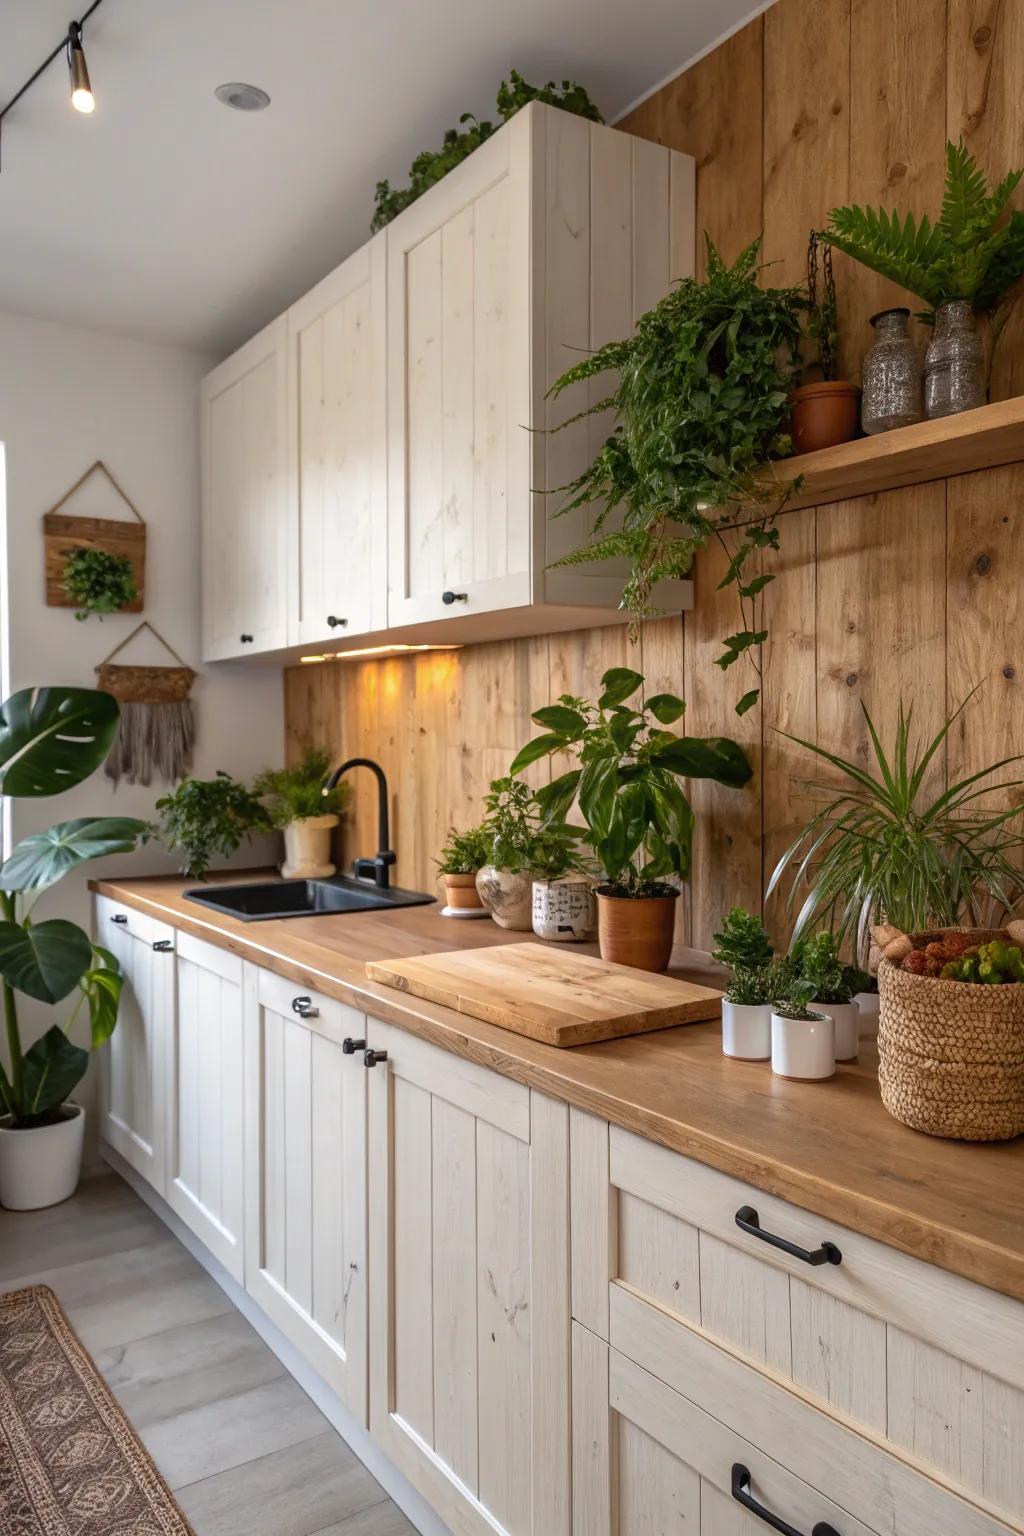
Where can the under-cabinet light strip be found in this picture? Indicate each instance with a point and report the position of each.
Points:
(376, 650)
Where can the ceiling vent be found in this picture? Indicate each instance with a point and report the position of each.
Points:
(244, 98)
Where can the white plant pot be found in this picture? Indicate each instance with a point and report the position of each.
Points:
(846, 1017)
(307, 848)
(746, 1030)
(867, 1002)
(803, 1049)
(40, 1167)
(564, 910)
(507, 897)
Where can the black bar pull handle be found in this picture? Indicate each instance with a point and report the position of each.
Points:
(119, 917)
(828, 1253)
(350, 1046)
(742, 1494)
(163, 945)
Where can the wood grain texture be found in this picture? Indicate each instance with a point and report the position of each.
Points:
(63, 534)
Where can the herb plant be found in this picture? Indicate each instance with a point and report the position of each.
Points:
(701, 400)
(520, 840)
(795, 1002)
(99, 581)
(881, 849)
(297, 794)
(431, 166)
(638, 820)
(208, 818)
(742, 942)
(52, 739)
(817, 957)
(464, 852)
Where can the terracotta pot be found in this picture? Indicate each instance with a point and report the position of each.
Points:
(507, 897)
(307, 848)
(461, 893)
(636, 930)
(824, 414)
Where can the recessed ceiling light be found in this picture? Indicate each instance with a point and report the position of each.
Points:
(244, 98)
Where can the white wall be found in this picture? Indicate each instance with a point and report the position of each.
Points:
(67, 398)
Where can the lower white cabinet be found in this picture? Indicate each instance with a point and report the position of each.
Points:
(305, 1162)
(204, 1099)
(469, 1346)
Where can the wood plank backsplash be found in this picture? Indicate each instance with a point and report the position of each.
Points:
(917, 592)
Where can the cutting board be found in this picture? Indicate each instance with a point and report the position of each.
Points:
(548, 993)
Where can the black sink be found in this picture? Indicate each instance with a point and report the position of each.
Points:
(303, 898)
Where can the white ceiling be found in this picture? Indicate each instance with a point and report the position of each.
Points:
(167, 216)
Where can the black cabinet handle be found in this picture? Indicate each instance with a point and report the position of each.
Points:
(454, 597)
(119, 917)
(371, 1058)
(246, 639)
(350, 1046)
(303, 1006)
(828, 1253)
(742, 1494)
(335, 623)
(163, 945)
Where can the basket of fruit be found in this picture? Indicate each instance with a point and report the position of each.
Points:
(951, 1032)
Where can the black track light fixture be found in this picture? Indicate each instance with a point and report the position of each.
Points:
(82, 98)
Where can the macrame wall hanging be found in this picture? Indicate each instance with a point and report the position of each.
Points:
(156, 734)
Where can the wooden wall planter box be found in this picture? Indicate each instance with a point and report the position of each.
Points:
(64, 534)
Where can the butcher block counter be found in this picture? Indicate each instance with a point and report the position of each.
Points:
(828, 1147)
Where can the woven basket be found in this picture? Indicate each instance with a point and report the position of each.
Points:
(145, 685)
(951, 1053)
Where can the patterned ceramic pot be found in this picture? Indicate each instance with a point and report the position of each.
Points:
(508, 897)
(564, 910)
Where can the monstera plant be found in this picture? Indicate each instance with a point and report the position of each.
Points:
(51, 739)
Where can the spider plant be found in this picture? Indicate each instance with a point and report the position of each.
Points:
(880, 849)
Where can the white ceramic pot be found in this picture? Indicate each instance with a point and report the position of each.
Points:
(867, 1002)
(803, 1049)
(746, 1030)
(307, 848)
(564, 910)
(40, 1167)
(507, 897)
(846, 1017)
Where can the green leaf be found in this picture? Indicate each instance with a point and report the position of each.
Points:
(598, 784)
(758, 584)
(619, 683)
(102, 985)
(51, 1069)
(711, 757)
(555, 798)
(44, 960)
(540, 746)
(748, 701)
(566, 722)
(666, 707)
(53, 738)
(45, 857)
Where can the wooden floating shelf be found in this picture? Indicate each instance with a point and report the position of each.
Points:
(929, 450)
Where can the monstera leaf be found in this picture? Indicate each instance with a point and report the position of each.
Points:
(53, 738)
(45, 857)
(44, 960)
(102, 984)
(51, 1069)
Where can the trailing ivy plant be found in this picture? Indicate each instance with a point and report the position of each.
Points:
(99, 582)
(432, 165)
(701, 401)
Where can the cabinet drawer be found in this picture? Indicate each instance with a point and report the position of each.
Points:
(323, 1015)
(115, 915)
(919, 1357)
(687, 1427)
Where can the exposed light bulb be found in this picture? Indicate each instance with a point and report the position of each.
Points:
(82, 98)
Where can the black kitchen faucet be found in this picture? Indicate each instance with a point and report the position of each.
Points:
(375, 869)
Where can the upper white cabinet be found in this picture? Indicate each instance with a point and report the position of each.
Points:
(337, 468)
(382, 460)
(246, 536)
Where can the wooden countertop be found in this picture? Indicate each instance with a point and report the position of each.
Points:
(829, 1147)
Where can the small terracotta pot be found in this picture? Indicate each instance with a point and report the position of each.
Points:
(460, 892)
(823, 415)
(636, 930)
(508, 897)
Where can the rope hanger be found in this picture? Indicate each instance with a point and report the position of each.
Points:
(156, 635)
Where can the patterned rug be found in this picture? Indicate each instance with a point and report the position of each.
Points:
(70, 1462)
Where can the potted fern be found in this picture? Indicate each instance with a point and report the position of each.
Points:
(297, 803)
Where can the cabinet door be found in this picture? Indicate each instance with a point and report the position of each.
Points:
(337, 470)
(459, 347)
(469, 1308)
(305, 1161)
(204, 1100)
(245, 511)
(132, 1114)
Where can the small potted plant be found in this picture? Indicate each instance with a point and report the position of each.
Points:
(462, 857)
(297, 804)
(207, 818)
(834, 985)
(742, 945)
(638, 820)
(825, 410)
(803, 1040)
(564, 908)
(512, 823)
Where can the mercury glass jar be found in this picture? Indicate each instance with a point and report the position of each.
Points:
(954, 372)
(892, 375)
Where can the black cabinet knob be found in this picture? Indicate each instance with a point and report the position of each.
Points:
(454, 597)
(333, 622)
(119, 917)
(371, 1058)
(350, 1046)
(245, 639)
(303, 1006)
(163, 945)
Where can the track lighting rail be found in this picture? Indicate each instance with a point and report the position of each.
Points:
(71, 40)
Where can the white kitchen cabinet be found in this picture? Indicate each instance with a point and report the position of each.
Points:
(132, 1069)
(203, 1071)
(337, 466)
(305, 1176)
(551, 239)
(469, 1344)
(246, 533)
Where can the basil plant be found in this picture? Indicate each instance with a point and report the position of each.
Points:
(52, 739)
